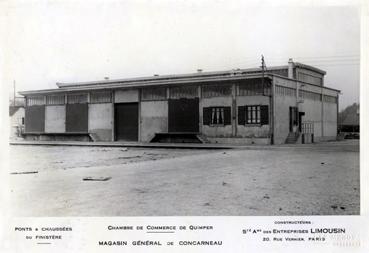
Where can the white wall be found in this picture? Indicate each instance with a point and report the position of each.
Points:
(55, 119)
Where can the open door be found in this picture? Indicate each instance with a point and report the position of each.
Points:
(126, 121)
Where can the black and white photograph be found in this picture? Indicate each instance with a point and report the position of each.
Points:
(182, 108)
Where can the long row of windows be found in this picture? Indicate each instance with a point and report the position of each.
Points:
(95, 97)
(310, 95)
(254, 89)
(247, 88)
(285, 91)
(247, 115)
(219, 90)
(178, 92)
(309, 78)
(159, 93)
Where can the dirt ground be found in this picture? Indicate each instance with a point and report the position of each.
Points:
(316, 179)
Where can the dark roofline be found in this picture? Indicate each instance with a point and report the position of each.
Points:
(171, 77)
(235, 74)
(190, 75)
(146, 83)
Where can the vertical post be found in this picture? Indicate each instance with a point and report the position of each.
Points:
(88, 112)
(337, 116)
(199, 94)
(234, 110)
(262, 71)
(272, 105)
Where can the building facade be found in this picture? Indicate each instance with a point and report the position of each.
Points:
(16, 121)
(284, 104)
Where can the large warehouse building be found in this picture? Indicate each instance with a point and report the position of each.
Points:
(283, 104)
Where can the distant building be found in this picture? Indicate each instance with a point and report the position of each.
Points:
(283, 104)
(16, 120)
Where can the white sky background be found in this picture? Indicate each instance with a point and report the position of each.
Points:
(48, 42)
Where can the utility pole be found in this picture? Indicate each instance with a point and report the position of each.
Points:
(263, 69)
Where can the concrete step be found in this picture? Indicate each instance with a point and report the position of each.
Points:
(176, 138)
(292, 138)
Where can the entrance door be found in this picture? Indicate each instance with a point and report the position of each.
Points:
(293, 118)
(183, 115)
(126, 122)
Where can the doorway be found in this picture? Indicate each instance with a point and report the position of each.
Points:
(183, 115)
(126, 122)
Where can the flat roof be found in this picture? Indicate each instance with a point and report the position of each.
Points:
(145, 82)
(157, 80)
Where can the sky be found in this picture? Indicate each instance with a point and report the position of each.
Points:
(59, 41)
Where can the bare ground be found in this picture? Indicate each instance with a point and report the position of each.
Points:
(320, 179)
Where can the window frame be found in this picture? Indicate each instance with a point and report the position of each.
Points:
(255, 113)
(216, 90)
(209, 114)
(97, 93)
(51, 102)
(152, 98)
(214, 110)
(259, 115)
(77, 94)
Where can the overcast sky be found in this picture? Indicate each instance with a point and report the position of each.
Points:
(50, 42)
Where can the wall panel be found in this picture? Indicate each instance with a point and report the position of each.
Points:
(55, 119)
(76, 118)
(35, 118)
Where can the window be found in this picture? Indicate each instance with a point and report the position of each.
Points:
(183, 92)
(253, 114)
(254, 87)
(22, 120)
(100, 97)
(215, 116)
(55, 100)
(310, 95)
(285, 91)
(310, 78)
(154, 94)
(216, 91)
(77, 98)
(39, 100)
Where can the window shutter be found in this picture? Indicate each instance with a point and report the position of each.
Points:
(264, 115)
(241, 115)
(206, 115)
(227, 115)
